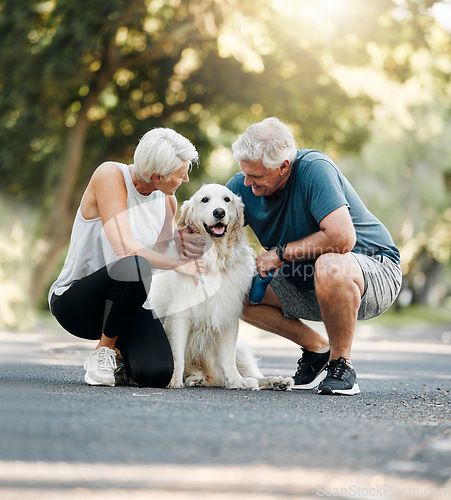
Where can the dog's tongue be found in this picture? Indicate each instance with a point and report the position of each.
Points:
(218, 229)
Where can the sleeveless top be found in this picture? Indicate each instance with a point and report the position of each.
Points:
(90, 249)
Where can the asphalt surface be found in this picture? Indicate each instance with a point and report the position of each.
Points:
(60, 438)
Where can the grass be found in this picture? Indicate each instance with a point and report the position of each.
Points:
(413, 315)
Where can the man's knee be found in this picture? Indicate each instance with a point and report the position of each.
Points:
(329, 267)
(334, 272)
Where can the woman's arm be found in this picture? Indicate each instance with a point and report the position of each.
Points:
(166, 235)
(110, 197)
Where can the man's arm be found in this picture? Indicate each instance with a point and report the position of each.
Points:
(337, 235)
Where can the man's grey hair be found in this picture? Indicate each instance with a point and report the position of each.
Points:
(269, 140)
(162, 151)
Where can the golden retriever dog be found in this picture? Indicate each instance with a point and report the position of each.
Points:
(201, 320)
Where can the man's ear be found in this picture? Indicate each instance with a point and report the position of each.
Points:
(284, 167)
(156, 177)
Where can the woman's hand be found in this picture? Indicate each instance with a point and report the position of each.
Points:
(190, 245)
(192, 268)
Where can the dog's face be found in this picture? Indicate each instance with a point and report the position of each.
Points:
(214, 210)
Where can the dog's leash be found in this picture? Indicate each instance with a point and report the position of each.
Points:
(258, 287)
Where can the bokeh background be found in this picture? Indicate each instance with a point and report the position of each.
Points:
(367, 82)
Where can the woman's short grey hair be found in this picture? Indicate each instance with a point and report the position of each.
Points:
(269, 140)
(162, 151)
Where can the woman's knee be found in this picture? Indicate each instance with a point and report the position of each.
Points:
(132, 268)
(153, 375)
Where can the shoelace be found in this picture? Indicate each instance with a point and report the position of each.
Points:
(107, 359)
(302, 363)
(337, 369)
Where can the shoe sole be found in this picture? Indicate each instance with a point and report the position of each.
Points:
(344, 392)
(91, 381)
(319, 378)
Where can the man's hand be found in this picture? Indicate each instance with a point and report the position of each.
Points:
(190, 245)
(267, 261)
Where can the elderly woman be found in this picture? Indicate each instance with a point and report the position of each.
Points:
(101, 292)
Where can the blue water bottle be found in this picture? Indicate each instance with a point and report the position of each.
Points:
(258, 287)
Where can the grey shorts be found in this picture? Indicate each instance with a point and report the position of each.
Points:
(382, 277)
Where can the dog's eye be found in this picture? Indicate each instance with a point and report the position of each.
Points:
(227, 199)
(204, 200)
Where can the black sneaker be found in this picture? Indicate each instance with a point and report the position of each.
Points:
(341, 379)
(310, 370)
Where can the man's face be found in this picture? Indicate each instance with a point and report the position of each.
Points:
(264, 181)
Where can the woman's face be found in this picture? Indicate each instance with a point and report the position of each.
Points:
(171, 182)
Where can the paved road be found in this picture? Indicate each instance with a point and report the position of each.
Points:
(60, 438)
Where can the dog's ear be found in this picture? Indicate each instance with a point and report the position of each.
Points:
(236, 229)
(185, 219)
(240, 206)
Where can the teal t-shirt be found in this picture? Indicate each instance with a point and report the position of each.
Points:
(315, 188)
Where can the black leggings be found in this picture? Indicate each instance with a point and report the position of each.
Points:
(110, 301)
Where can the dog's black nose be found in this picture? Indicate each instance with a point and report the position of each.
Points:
(219, 213)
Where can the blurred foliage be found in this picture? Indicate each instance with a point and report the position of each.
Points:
(16, 228)
(403, 170)
(83, 81)
(202, 67)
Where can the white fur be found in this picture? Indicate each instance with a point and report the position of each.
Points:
(201, 320)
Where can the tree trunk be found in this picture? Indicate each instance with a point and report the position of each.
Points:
(60, 218)
(57, 228)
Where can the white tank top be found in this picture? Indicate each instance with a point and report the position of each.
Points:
(89, 248)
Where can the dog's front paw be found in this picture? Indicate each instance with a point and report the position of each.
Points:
(176, 382)
(248, 383)
(276, 383)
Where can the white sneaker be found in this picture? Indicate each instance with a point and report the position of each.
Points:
(100, 367)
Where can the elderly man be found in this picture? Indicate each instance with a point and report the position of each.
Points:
(335, 261)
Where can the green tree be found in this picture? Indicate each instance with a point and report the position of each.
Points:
(404, 169)
(82, 81)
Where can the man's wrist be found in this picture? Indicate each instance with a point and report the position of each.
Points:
(280, 250)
